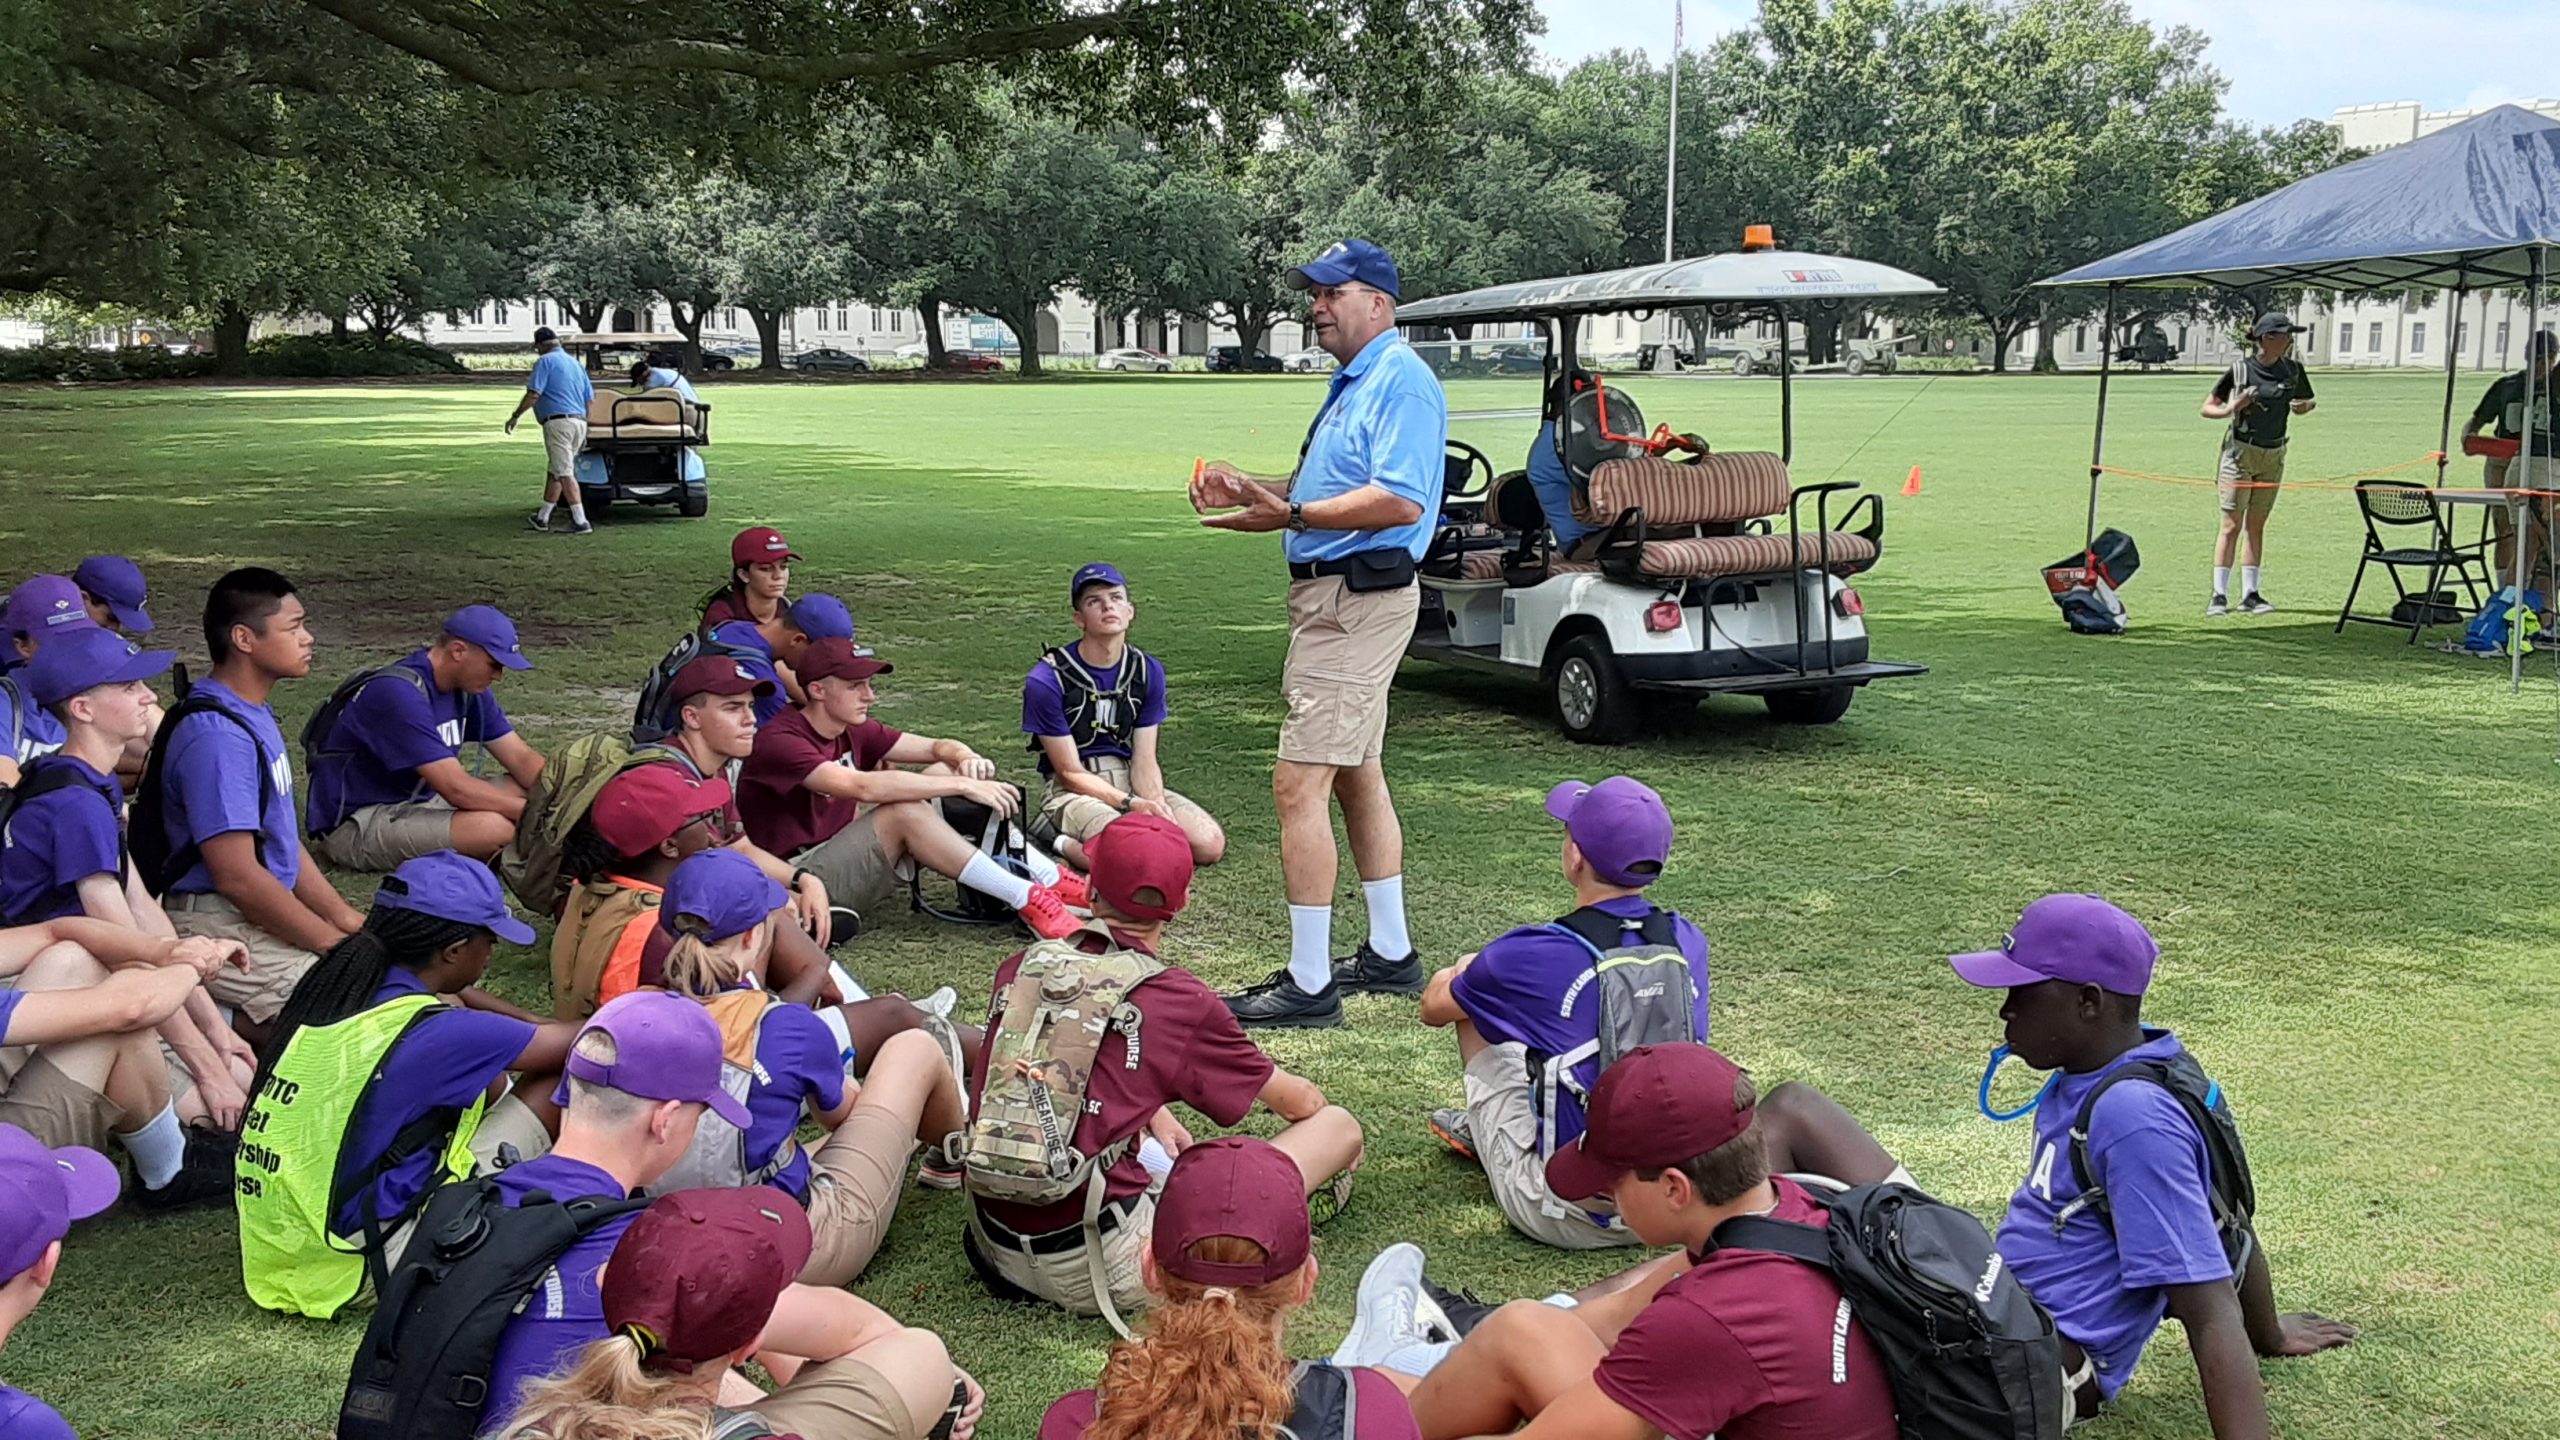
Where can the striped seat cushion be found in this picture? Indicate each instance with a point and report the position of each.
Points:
(1487, 565)
(1723, 488)
(1716, 555)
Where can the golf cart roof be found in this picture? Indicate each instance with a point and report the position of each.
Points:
(1773, 277)
(609, 339)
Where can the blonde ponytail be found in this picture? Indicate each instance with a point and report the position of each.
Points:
(700, 967)
(609, 1395)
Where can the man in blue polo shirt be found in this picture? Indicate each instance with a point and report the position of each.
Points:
(1359, 511)
(558, 393)
(224, 791)
(387, 780)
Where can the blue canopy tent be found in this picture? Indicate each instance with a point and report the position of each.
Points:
(2474, 205)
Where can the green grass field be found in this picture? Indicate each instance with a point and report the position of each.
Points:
(2339, 839)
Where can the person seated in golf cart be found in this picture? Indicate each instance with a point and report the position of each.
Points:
(658, 372)
(1560, 474)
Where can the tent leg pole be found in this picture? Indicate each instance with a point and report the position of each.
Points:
(2098, 442)
(2452, 358)
(2532, 381)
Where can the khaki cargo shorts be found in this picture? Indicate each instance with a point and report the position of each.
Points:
(380, 837)
(562, 438)
(1081, 817)
(274, 966)
(855, 1178)
(1502, 1120)
(1343, 653)
(840, 1399)
(1065, 1277)
(854, 864)
(57, 1109)
(2250, 475)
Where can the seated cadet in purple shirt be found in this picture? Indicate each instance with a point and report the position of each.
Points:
(811, 617)
(221, 783)
(387, 780)
(1529, 1015)
(383, 1088)
(2074, 970)
(45, 605)
(65, 849)
(115, 594)
(43, 1191)
(641, 1076)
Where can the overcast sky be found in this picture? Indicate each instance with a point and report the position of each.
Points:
(2286, 60)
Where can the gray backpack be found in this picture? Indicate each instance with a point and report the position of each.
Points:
(1647, 997)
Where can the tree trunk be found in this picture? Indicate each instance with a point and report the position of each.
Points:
(688, 322)
(2044, 362)
(338, 326)
(588, 313)
(1253, 323)
(768, 337)
(231, 342)
(1025, 325)
(2004, 331)
(930, 308)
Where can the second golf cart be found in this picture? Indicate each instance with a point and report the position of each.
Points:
(1704, 575)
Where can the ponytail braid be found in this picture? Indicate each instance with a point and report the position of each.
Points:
(344, 981)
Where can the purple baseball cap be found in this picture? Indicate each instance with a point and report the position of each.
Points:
(1100, 572)
(2078, 939)
(1619, 825)
(721, 888)
(489, 628)
(822, 617)
(41, 1192)
(44, 605)
(117, 581)
(85, 657)
(451, 887)
(665, 1047)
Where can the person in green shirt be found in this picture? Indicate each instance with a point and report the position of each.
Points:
(2503, 407)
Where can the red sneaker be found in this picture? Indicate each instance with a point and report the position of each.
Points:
(1075, 890)
(1047, 915)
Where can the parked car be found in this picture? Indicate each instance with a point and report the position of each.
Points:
(1307, 361)
(829, 358)
(912, 350)
(670, 357)
(1130, 357)
(970, 362)
(1232, 360)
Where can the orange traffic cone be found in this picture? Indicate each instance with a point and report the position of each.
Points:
(1912, 485)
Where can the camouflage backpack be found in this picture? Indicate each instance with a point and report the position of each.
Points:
(1045, 1035)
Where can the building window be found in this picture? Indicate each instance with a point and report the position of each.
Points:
(502, 312)
(541, 312)
(2080, 340)
(897, 322)
(2346, 339)
(2461, 335)
(479, 314)
(2182, 337)
(2502, 342)
(2418, 338)
(2373, 337)
(877, 323)
(844, 317)
(729, 318)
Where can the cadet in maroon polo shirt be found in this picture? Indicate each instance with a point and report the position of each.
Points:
(1745, 1345)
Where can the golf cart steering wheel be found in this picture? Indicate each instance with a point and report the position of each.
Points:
(1467, 475)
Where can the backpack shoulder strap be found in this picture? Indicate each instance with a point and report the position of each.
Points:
(1808, 1243)
(1602, 932)
(17, 716)
(2199, 1112)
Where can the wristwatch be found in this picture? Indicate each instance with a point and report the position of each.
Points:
(1297, 517)
(797, 876)
(1127, 799)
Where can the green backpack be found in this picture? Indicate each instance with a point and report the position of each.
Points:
(572, 777)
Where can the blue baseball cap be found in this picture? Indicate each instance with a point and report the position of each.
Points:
(721, 888)
(1097, 573)
(85, 657)
(44, 605)
(822, 617)
(1347, 260)
(117, 581)
(488, 627)
(451, 887)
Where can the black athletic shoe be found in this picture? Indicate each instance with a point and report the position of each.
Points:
(844, 924)
(586, 529)
(1366, 972)
(2254, 603)
(1464, 1310)
(206, 1175)
(537, 521)
(1278, 1003)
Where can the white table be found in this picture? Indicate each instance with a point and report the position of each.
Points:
(2515, 502)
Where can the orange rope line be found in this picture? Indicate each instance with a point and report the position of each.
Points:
(2330, 482)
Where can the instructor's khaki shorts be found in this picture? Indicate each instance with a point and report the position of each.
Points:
(853, 863)
(562, 438)
(1503, 1123)
(274, 966)
(2250, 475)
(382, 837)
(1081, 817)
(854, 1181)
(1343, 653)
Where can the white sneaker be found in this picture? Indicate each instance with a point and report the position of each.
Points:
(1393, 1309)
(940, 1002)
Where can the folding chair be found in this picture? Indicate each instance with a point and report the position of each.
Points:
(2406, 505)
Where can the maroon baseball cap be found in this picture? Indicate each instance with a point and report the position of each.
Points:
(1658, 1106)
(837, 658)
(718, 675)
(1620, 825)
(696, 1276)
(1234, 1185)
(2079, 939)
(761, 545)
(1141, 852)
(640, 808)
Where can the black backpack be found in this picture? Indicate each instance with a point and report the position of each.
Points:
(18, 699)
(323, 726)
(159, 860)
(423, 1371)
(1002, 841)
(43, 776)
(1969, 1354)
(1325, 1407)
(2234, 1193)
(655, 718)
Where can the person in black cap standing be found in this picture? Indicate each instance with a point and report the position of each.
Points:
(2259, 395)
(558, 393)
(1359, 510)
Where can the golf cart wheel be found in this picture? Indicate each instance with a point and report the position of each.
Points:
(1819, 706)
(1856, 364)
(1741, 364)
(1594, 703)
(694, 505)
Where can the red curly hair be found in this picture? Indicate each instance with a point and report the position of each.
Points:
(1205, 1367)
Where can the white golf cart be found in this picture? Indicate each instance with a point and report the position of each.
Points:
(1707, 575)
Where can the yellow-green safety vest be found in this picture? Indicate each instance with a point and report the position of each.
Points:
(290, 1259)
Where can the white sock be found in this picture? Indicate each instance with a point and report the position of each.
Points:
(1042, 868)
(1386, 917)
(544, 514)
(833, 1018)
(1151, 1153)
(2221, 579)
(1419, 1358)
(158, 1148)
(846, 985)
(1311, 946)
(2248, 579)
(989, 878)
(577, 512)
(1562, 1301)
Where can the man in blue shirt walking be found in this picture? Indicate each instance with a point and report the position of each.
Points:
(557, 393)
(1359, 511)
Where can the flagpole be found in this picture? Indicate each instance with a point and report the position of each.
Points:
(1671, 155)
